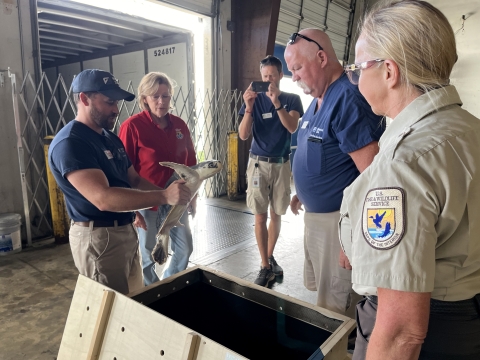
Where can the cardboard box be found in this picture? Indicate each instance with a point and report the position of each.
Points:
(199, 314)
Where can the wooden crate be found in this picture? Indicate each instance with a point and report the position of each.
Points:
(199, 314)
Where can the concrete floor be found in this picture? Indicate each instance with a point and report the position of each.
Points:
(37, 284)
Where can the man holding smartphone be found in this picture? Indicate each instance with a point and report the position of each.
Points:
(272, 116)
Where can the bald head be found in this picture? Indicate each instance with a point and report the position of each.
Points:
(320, 37)
(312, 68)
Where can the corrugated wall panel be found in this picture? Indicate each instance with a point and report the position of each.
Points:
(288, 20)
(332, 16)
(315, 12)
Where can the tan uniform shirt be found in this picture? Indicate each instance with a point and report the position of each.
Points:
(411, 220)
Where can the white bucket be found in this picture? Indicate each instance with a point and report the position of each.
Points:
(10, 240)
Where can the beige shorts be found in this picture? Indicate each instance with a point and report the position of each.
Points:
(273, 187)
(108, 255)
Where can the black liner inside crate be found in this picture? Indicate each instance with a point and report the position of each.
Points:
(251, 322)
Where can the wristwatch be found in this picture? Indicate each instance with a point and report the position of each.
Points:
(280, 107)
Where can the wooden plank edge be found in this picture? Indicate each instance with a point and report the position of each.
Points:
(101, 325)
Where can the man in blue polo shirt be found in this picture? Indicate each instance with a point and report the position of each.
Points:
(101, 187)
(272, 117)
(337, 139)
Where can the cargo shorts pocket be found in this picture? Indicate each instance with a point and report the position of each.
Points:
(257, 201)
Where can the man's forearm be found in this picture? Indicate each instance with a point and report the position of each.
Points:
(245, 127)
(144, 184)
(288, 121)
(117, 199)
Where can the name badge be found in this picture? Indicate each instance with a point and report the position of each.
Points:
(256, 181)
(109, 154)
(304, 124)
(267, 115)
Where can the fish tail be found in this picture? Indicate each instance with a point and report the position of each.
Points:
(160, 251)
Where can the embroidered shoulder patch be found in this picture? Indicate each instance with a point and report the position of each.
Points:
(383, 219)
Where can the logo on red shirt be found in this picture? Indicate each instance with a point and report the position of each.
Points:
(179, 134)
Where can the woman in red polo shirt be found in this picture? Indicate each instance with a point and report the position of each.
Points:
(149, 137)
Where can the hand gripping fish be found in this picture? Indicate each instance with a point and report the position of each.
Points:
(193, 177)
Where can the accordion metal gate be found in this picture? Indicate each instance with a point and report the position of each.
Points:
(43, 109)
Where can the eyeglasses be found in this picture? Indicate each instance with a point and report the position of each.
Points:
(355, 70)
(164, 98)
(294, 36)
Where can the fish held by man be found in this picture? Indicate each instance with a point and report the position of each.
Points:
(193, 177)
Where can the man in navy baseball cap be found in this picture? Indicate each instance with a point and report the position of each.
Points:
(101, 186)
(94, 80)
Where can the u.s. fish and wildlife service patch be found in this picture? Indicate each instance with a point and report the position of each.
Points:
(383, 219)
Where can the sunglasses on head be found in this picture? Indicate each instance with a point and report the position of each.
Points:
(294, 36)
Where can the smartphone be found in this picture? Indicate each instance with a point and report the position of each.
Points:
(260, 86)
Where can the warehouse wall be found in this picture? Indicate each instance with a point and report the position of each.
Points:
(253, 39)
(465, 75)
(15, 29)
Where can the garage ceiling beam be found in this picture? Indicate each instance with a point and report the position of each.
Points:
(58, 51)
(47, 59)
(90, 19)
(71, 41)
(66, 47)
(79, 27)
(80, 36)
(45, 52)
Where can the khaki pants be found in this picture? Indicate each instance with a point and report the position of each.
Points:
(108, 255)
(321, 269)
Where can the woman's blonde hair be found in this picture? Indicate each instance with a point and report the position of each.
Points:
(417, 36)
(149, 86)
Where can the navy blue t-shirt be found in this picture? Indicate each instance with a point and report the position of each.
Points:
(322, 168)
(78, 147)
(270, 137)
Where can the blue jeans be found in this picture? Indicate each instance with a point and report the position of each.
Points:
(181, 243)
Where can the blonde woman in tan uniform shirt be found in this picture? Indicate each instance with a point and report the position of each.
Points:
(410, 223)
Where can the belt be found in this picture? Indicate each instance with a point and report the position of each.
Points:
(104, 223)
(275, 160)
(462, 307)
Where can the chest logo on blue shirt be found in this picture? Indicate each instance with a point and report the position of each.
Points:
(179, 134)
(383, 223)
(121, 152)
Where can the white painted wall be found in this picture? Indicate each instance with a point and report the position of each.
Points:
(100, 63)
(172, 60)
(129, 67)
(225, 47)
(465, 75)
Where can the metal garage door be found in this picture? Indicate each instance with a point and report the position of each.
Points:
(204, 7)
(335, 17)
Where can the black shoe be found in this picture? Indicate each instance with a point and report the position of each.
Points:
(276, 269)
(265, 275)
